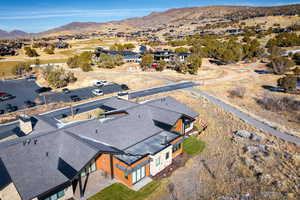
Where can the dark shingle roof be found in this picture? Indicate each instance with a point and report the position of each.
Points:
(170, 103)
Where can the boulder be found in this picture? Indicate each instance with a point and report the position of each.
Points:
(248, 135)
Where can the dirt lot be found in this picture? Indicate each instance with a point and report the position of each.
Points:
(233, 169)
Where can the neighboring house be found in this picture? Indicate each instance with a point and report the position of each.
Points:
(131, 142)
(128, 56)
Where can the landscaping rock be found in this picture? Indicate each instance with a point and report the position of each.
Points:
(248, 135)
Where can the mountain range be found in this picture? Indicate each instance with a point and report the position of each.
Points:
(170, 17)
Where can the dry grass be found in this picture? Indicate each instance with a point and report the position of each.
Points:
(219, 169)
(84, 116)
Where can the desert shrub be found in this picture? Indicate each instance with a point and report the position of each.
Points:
(296, 58)
(278, 103)
(288, 83)
(237, 92)
(83, 61)
(21, 68)
(281, 65)
(30, 52)
(194, 63)
(49, 51)
(147, 61)
(108, 61)
(161, 66)
(58, 77)
(181, 50)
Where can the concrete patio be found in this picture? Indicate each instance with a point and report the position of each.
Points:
(92, 184)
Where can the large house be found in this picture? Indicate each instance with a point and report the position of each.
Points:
(129, 143)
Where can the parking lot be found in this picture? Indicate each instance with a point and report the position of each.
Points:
(24, 90)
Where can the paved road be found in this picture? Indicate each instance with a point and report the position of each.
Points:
(25, 90)
(168, 88)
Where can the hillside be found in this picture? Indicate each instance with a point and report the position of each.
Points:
(176, 16)
(13, 34)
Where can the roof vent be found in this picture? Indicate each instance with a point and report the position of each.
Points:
(47, 154)
(24, 143)
(35, 141)
(96, 131)
(28, 141)
(139, 116)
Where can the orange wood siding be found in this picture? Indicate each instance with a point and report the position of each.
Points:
(178, 126)
(179, 151)
(103, 163)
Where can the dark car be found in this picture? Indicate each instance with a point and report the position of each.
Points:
(75, 98)
(10, 108)
(29, 104)
(31, 78)
(124, 87)
(43, 89)
(5, 96)
(2, 112)
(66, 91)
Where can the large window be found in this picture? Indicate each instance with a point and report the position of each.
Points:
(138, 174)
(56, 196)
(176, 147)
(89, 169)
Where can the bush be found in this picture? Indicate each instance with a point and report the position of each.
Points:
(83, 61)
(21, 68)
(161, 66)
(108, 61)
(181, 50)
(296, 58)
(278, 103)
(237, 92)
(288, 83)
(281, 65)
(30, 52)
(194, 63)
(57, 77)
(147, 61)
(49, 51)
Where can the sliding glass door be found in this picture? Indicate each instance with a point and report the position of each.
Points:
(138, 174)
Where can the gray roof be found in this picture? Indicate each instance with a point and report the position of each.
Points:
(170, 103)
(54, 155)
(150, 146)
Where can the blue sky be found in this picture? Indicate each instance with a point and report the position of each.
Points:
(41, 15)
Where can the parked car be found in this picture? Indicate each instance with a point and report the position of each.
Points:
(29, 104)
(31, 78)
(66, 91)
(75, 98)
(43, 89)
(2, 112)
(6, 96)
(10, 108)
(100, 83)
(97, 92)
(124, 87)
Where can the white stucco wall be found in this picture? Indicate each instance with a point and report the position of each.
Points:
(163, 162)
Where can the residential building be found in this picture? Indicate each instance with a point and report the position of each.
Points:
(130, 143)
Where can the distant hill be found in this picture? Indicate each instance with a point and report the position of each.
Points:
(170, 17)
(13, 34)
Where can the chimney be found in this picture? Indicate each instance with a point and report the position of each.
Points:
(25, 124)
